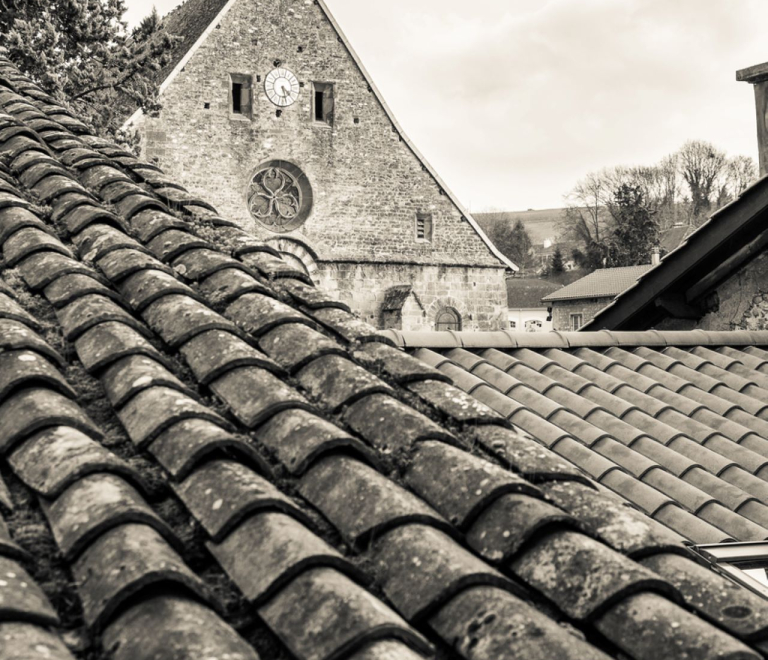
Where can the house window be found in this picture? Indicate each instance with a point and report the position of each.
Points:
(745, 563)
(512, 325)
(448, 319)
(323, 103)
(533, 325)
(424, 227)
(577, 320)
(240, 95)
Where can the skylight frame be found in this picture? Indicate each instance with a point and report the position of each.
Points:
(729, 559)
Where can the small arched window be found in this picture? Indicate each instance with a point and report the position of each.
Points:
(448, 319)
(533, 325)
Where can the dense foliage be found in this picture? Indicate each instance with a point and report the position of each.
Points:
(557, 264)
(636, 231)
(513, 242)
(81, 52)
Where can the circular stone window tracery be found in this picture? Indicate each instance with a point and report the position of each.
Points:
(279, 196)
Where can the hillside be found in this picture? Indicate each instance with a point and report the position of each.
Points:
(541, 225)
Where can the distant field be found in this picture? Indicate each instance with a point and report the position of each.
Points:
(541, 225)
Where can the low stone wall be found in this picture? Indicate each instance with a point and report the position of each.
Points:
(477, 294)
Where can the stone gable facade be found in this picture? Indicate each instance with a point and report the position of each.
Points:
(369, 189)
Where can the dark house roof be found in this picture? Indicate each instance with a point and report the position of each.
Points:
(204, 456)
(677, 286)
(527, 292)
(188, 21)
(602, 283)
(671, 237)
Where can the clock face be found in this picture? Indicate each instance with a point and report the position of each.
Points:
(282, 87)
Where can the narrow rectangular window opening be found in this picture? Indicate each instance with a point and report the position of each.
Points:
(237, 98)
(424, 227)
(240, 95)
(323, 104)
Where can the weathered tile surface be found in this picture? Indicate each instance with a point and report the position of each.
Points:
(663, 426)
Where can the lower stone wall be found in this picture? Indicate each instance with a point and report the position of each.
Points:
(561, 311)
(479, 295)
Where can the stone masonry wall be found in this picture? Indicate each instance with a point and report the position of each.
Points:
(473, 292)
(561, 311)
(368, 186)
(741, 302)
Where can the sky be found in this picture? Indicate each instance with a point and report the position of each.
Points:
(513, 101)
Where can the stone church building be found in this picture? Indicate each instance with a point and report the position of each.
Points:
(277, 122)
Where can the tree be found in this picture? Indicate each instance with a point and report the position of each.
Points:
(659, 185)
(636, 231)
(741, 172)
(557, 265)
(585, 213)
(594, 256)
(81, 52)
(586, 220)
(701, 165)
(514, 242)
(603, 207)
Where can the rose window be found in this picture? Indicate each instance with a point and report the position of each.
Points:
(279, 196)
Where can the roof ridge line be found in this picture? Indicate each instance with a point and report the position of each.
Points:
(505, 339)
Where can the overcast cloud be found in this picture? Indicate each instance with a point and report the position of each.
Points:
(513, 100)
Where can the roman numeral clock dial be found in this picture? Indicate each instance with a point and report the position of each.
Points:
(282, 87)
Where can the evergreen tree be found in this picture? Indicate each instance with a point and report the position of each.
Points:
(636, 230)
(513, 241)
(557, 265)
(81, 52)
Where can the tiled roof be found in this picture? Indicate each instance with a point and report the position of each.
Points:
(188, 21)
(204, 456)
(674, 422)
(527, 292)
(602, 283)
(671, 238)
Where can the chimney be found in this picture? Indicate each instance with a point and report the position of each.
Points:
(655, 256)
(757, 76)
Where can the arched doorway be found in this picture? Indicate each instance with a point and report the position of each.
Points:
(448, 319)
